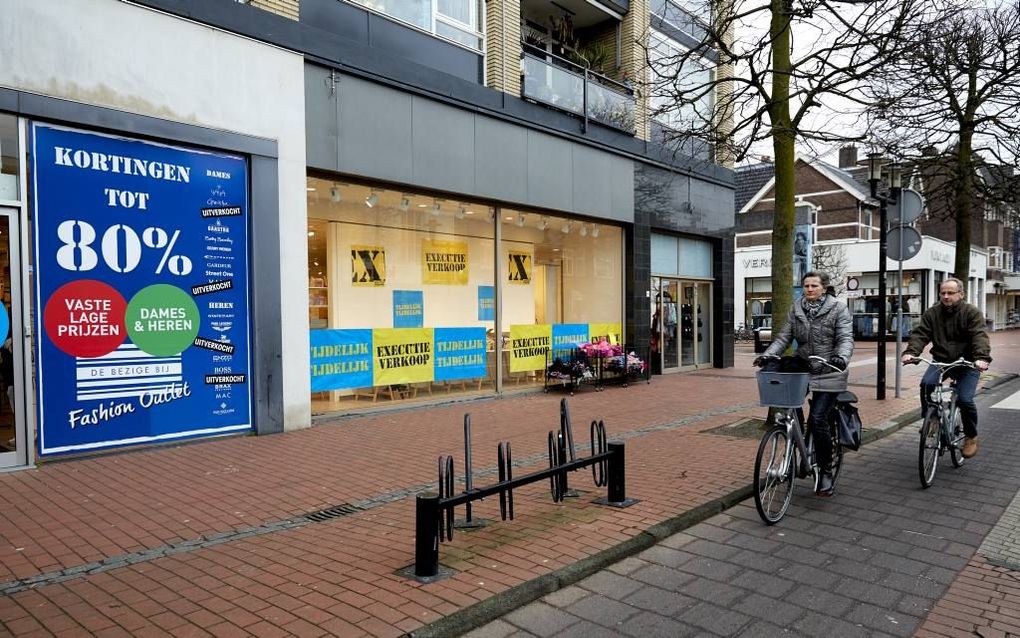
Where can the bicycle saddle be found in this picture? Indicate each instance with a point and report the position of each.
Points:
(846, 397)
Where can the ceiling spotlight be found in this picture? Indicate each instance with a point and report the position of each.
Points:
(520, 220)
(405, 203)
(335, 194)
(311, 233)
(372, 199)
(584, 230)
(566, 228)
(436, 208)
(544, 224)
(461, 211)
(316, 262)
(595, 230)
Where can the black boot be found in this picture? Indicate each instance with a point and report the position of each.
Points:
(824, 483)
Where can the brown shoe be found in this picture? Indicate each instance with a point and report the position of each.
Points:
(969, 447)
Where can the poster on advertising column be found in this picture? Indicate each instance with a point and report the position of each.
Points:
(141, 264)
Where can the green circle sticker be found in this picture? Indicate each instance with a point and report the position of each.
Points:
(162, 320)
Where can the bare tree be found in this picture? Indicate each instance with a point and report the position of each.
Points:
(812, 56)
(831, 259)
(951, 106)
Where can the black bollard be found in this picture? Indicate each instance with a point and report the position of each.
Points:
(617, 490)
(426, 538)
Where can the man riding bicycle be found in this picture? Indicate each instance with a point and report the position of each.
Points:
(955, 329)
(823, 328)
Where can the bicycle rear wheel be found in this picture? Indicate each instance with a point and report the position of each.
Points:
(928, 448)
(955, 449)
(773, 475)
(837, 458)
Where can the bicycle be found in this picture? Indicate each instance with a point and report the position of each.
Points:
(786, 450)
(942, 426)
(743, 333)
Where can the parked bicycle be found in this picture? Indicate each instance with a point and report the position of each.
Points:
(942, 425)
(744, 332)
(787, 449)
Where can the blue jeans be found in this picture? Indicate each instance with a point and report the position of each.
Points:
(966, 386)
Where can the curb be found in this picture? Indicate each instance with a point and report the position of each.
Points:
(492, 608)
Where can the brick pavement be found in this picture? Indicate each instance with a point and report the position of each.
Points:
(209, 538)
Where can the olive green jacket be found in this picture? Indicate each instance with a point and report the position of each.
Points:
(958, 331)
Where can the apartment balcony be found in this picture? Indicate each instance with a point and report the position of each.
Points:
(561, 84)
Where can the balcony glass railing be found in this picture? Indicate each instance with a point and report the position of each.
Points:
(560, 83)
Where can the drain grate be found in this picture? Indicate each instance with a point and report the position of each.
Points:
(337, 511)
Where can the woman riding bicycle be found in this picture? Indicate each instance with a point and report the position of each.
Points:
(822, 327)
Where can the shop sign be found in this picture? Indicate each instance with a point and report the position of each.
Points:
(408, 309)
(568, 336)
(611, 332)
(368, 266)
(402, 355)
(486, 303)
(444, 262)
(141, 254)
(460, 353)
(518, 267)
(340, 359)
(529, 345)
(853, 287)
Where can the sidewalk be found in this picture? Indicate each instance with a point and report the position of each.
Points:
(212, 538)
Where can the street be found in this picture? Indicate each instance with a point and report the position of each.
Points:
(874, 560)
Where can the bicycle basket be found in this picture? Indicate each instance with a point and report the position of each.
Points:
(782, 389)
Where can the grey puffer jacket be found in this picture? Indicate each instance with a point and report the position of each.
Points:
(829, 333)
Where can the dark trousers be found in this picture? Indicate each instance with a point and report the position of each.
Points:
(966, 386)
(821, 404)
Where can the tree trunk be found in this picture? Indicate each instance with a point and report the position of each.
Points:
(963, 200)
(785, 183)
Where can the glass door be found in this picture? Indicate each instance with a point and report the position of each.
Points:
(13, 441)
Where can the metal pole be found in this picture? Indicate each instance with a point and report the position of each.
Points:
(426, 535)
(899, 298)
(468, 483)
(617, 488)
(882, 293)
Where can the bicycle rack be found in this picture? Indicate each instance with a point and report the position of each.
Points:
(434, 511)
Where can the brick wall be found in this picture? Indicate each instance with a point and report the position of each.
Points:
(503, 46)
(286, 8)
(633, 32)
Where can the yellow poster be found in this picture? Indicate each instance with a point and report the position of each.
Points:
(402, 355)
(368, 266)
(528, 346)
(444, 262)
(519, 267)
(611, 332)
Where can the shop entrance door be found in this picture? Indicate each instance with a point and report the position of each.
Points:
(681, 324)
(13, 439)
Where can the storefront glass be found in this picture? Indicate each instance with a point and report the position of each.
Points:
(8, 158)
(680, 304)
(403, 291)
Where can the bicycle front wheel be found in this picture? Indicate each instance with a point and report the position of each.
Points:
(773, 475)
(928, 448)
(956, 441)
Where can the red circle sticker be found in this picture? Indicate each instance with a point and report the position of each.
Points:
(85, 318)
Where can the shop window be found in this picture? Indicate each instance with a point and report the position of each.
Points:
(9, 158)
(401, 296)
(573, 292)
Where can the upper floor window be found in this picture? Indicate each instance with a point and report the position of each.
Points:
(456, 20)
(694, 79)
(687, 16)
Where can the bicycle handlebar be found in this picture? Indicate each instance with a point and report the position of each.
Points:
(959, 362)
(822, 360)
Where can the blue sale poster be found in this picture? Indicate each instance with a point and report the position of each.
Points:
(460, 353)
(141, 263)
(566, 337)
(408, 309)
(486, 303)
(341, 359)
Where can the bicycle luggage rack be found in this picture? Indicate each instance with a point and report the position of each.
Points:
(434, 511)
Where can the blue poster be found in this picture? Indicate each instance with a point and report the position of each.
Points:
(141, 262)
(460, 353)
(408, 309)
(566, 337)
(341, 359)
(486, 303)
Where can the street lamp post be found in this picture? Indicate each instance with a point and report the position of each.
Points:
(895, 187)
(874, 176)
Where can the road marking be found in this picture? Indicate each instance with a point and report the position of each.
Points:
(1011, 402)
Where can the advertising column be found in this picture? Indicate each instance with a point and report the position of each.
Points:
(141, 275)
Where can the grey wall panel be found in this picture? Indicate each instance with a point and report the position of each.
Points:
(622, 192)
(714, 204)
(375, 131)
(442, 146)
(591, 188)
(549, 172)
(322, 130)
(501, 160)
